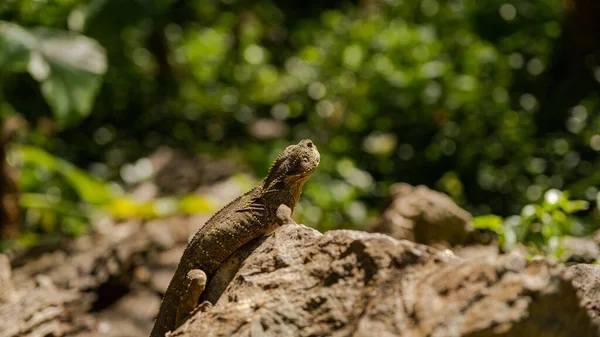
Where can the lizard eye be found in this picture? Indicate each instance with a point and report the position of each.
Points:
(305, 160)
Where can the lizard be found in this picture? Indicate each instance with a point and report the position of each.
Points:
(254, 214)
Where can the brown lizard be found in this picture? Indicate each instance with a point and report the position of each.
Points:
(252, 215)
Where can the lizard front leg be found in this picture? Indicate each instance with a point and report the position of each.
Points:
(195, 282)
(284, 215)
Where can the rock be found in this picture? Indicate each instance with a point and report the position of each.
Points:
(180, 172)
(477, 252)
(586, 278)
(7, 292)
(132, 315)
(596, 237)
(422, 215)
(5, 269)
(160, 233)
(580, 250)
(144, 192)
(223, 192)
(161, 279)
(180, 228)
(142, 274)
(195, 222)
(57, 293)
(170, 257)
(298, 282)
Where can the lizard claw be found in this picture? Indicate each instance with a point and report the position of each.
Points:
(195, 282)
(284, 215)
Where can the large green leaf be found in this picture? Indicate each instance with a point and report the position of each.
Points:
(15, 47)
(69, 66)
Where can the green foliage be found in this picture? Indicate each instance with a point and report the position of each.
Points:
(60, 199)
(89, 189)
(539, 226)
(68, 66)
(447, 94)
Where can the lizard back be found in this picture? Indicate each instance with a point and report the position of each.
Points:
(224, 233)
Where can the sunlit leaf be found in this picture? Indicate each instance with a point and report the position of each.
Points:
(192, 204)
(491, 222)
(576, 206)
(122, 208)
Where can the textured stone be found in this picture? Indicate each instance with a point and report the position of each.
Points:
(423, 215)
(298, 282)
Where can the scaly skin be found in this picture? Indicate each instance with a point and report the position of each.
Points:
(252, 215)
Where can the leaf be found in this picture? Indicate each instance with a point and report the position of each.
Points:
(15, 44)
(68, 66)
(90, 189)
(40, 202)
(123, 208)
(558, 216)
(28, 239)
(491, 222)
(192, 204)
(105, 19)
(573, 206)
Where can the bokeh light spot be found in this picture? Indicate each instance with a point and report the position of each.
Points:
(595, 142)
(535, 66)
(254, 54)
(528, 102)
(508, 12)
(515, 60)
(552, 196)
(429, 7)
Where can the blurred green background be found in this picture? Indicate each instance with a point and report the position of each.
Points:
(492, 102)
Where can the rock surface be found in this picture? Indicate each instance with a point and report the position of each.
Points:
(58, 293)
(580, 250)
(298, 282)
(586, 278)
(422, 215)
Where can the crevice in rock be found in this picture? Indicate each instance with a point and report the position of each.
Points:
(108, 293)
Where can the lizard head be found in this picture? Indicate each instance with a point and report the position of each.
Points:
(294, 166)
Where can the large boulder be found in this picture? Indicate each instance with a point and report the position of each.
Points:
(423, 215)
(299, 282)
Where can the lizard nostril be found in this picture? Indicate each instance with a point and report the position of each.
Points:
(309, 144)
